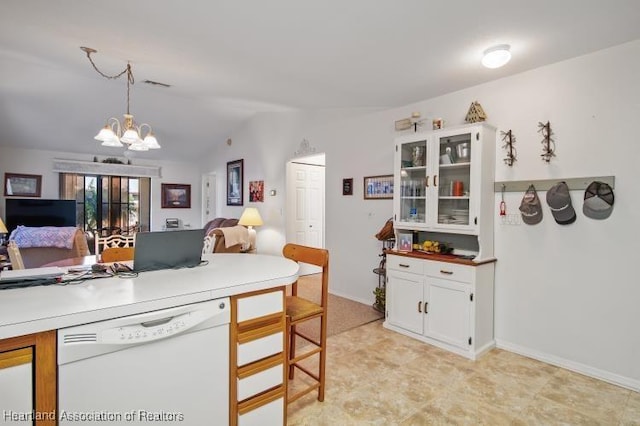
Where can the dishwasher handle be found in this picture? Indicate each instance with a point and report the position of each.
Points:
(156, 322)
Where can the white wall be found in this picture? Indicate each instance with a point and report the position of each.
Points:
(39, 162)
(565, 294)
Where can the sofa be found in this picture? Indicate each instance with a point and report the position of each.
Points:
(212, 230)
(42, 245)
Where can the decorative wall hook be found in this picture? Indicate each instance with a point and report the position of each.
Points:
(509, 140)
(548, 144)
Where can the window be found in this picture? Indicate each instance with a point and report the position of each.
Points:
(108, 205)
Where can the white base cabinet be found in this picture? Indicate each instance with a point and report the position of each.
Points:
(449, 305)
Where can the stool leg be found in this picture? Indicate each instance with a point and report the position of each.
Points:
(323, 354)
(292, 348)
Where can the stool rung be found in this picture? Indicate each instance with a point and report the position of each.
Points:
(305, 355)
(303, 392)
(307, 372)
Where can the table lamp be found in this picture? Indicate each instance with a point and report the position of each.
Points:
(3, 231)
(250, 218)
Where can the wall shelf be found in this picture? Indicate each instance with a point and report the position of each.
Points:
(113, 169)
(574, 184)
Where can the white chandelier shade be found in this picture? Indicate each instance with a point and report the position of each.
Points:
(111, 135)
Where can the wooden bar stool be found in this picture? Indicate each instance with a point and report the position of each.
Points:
(299, 310)
(116, 254)
(14, 256)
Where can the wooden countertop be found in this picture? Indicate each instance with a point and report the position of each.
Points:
(449, 258)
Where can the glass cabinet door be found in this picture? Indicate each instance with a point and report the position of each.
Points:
(413, 181)
(454, 179)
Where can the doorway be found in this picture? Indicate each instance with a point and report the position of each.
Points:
(305, 206)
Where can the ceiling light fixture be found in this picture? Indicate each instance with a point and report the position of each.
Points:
(115, 134)
(496, 56)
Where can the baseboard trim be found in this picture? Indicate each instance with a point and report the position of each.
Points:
(364, 302)
(577, 367)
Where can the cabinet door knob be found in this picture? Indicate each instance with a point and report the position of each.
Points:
(425, 307)
(442, 271)
(435, 180)
(427, 181)
(403, 265)
(420, 306)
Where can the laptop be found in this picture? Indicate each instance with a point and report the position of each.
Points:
(30, 277)
(168, 249)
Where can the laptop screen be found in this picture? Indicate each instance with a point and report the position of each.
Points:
(168, 249)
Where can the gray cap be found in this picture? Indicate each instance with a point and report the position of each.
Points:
(598, 200)
(559, 202)
(530, 207)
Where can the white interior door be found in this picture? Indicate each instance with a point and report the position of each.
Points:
(305, 206)
(208, 197)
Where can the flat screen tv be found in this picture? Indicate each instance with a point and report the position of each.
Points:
(40, 212)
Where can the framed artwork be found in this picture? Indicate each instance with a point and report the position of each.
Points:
(347, 186)
(176, 196)
(19, 185)
(405, 241)
(378, 187)
(256, 191)
(235, 178)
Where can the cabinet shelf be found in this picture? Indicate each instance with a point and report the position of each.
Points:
(455, 165)
(415, 197)
(453, 197)
(414, 168)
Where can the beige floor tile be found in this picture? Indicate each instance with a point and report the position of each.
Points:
(508, 370)
(308, 411)
(379, 377)
(592, 397)
(631, 412)
(547, 412)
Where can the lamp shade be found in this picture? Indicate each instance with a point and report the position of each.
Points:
(250, 217)
(3, 229)
(131, 136)
(151, 141)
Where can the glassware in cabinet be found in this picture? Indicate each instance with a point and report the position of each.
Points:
(414, 158)
(455, 179)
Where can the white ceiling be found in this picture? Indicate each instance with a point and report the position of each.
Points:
(227, 60)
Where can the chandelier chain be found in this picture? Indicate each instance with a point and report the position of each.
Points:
(127, 70)
(114, 133)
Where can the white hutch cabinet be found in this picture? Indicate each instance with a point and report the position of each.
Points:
(444, 192)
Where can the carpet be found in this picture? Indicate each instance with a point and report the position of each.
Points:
(344, 314)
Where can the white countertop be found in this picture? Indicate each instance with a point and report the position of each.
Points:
(41, 308)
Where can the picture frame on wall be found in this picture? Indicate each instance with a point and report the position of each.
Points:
(175, 196)
(347, 186)
(235, 182)
(256, 191)
(21, 185)
(378, 187)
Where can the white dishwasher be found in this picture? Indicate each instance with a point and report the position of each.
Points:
(164, 367)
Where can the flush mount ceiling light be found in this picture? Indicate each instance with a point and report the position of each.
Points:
(496, 56)
(115, 134)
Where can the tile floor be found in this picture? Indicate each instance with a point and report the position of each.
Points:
(378, 377)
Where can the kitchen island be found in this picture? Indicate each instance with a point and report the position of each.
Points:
(254, 284)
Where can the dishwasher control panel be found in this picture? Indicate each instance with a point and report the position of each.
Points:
(151, 330)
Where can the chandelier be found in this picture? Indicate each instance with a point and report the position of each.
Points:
(129, 133)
